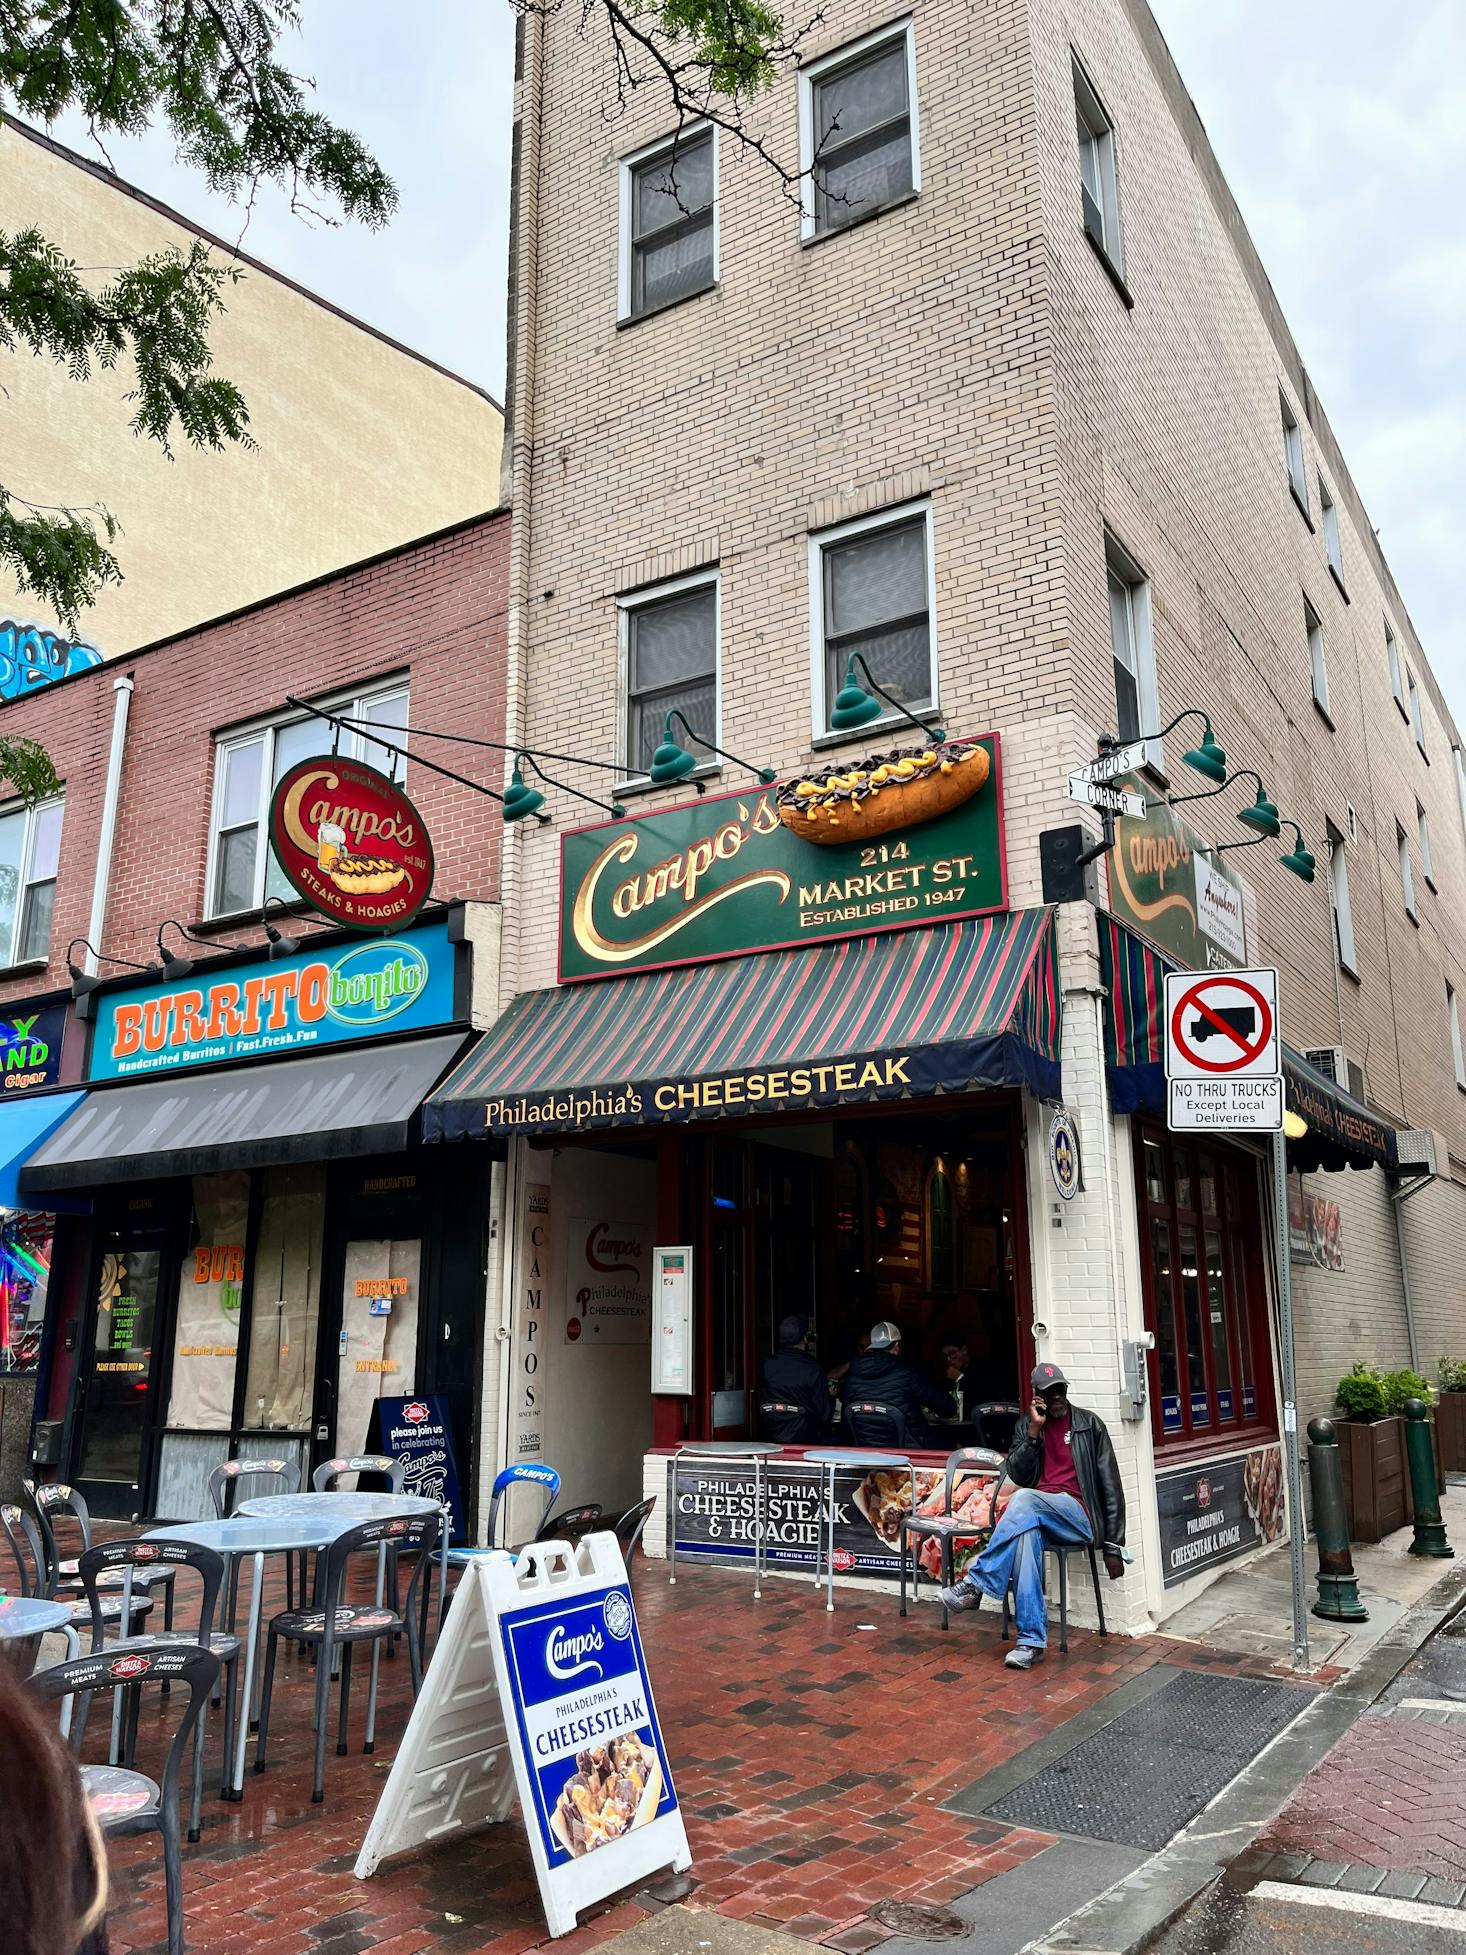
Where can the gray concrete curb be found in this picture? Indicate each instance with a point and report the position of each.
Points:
(1129, 1915)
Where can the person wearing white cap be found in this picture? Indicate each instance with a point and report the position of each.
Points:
(882, 1374)
(1063, 1463)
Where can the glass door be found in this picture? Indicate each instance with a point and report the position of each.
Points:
(377, 1356)
(118, 1372)
(730, 1317)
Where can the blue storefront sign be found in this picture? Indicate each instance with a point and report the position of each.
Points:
(417, 1431)
(582, 1704)
(321, 996)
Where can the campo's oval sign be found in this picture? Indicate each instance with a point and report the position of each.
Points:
(351, 843)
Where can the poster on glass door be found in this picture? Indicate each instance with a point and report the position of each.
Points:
(378, 1332)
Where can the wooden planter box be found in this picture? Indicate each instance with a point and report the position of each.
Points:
(1450, 1426)
(1376, 1484)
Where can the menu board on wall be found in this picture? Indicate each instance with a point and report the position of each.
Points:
(1211, 1513)
(672, 1320)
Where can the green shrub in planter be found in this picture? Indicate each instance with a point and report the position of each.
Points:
(1361, 1394)
(1451, 1374)
(1402, 1385)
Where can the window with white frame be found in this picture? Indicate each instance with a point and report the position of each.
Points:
(1293, 450)
(1132, 648)
(1332, 548)
(1099, 189)
(1392, 653)
(669, 654)
(669, 222)
(1460, 766)
(1339, 897)
(1407, 873)
(1422, 832)
(1457, 1059)
(30, 847)
(1313, 625)
(242, 869)
(1416, 722)
(858, 142)
(871, 592)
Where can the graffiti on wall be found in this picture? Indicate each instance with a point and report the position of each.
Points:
(32, 655)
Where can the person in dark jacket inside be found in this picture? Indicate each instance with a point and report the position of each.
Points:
(882, 1374)
(1069, 1495)
(795, 1376)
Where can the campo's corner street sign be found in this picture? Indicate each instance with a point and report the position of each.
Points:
(351, 843)
(262, 1009)
(723, 875)
(1165, 885)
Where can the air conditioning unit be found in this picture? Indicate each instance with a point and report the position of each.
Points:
(1335, 1064)
(1421, 1147)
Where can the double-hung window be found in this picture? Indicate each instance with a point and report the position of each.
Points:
(1422, 835)
(1416, 722)
(1332, 548)
(857, 130)
(1318, 670)
(1397, 683)
(30, 848)
(1293, 452)
(1407, 873)
(242, 870)
(1458, 1059)
(669, 652)
(1132, 650)
(1339, 896)
(669, 222)
(1099, 190)
(871, 593)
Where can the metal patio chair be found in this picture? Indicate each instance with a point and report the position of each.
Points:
(223, 1487)
(868, 1422)
(790, 1425)
(629, 1528)
(58, 1499)
(967, 1462)
(324, 1479)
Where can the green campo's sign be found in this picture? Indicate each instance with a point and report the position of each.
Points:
(1166, 885)
(721, 876)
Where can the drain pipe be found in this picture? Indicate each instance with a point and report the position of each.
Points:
(1398, 1199)
(111, 794)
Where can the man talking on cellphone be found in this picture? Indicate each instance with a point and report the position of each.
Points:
(1063, 1464)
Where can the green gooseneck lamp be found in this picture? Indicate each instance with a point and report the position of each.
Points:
(673, 762)
(856, 705)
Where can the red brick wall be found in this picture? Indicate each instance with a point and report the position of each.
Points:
(433, 611)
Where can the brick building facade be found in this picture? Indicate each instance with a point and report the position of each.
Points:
(1048, 343)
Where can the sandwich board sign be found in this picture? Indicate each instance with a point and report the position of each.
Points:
(1223, 1055)
(539, 1687)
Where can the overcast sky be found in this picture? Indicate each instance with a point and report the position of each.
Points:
(1338, 123)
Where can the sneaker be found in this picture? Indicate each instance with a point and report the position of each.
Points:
(1024, 1657)
(963, 1596)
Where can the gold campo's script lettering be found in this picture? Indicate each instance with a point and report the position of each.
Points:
(1145, 853)
(359, 823)
(681, 874)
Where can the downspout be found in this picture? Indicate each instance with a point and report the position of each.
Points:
(111, 794)
(1398, 1199)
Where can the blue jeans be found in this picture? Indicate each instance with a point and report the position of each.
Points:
(1014, 1557)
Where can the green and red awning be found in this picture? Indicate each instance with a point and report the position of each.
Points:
(944, 1009)
(1342, 1131)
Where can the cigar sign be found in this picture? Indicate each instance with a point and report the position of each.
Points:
(351, 843)
(759, 870)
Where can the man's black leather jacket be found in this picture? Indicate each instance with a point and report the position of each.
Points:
(1095, 1465)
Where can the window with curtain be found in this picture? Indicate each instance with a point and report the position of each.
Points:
(210, 1299)
(668, 222)
(285, 1300)
(859, 133)
(874, 588)
(1205, 1299)
(671, 662)
(242, 869)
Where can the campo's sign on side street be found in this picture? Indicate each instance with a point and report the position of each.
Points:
(724, 875)
(351, 843)
(1165, 885)
(260, 1009)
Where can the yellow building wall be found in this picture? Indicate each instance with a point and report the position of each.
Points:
(360, 445)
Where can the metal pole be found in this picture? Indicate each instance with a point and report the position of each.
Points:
(1290, 1400)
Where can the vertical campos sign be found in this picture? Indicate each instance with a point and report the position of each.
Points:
(528, 1412)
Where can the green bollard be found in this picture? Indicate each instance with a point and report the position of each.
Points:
(1430, 1532)
(1338, 1587)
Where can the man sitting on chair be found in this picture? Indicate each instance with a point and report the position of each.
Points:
(1063, 1463)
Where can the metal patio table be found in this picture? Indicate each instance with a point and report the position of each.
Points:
(272, 1533)
(830, 1460)
(25, 1619)
(757, 1450)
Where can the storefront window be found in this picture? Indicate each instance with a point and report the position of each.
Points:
(210, 1294)
(25, 1269)
(1205, 1303)
(378, 1355)
(285, 1300)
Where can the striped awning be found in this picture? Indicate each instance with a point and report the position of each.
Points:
(1342, 1131)
(915, 1012)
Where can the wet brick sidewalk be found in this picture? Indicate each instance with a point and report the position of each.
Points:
(810, 1756)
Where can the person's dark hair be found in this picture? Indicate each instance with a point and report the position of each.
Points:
(53, 1871)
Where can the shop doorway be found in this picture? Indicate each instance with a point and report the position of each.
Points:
(132, 1272)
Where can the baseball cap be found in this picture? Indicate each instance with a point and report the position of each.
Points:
(793, 1330)
(883, 1335)
(1046, 1376)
